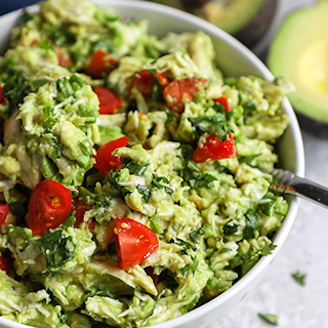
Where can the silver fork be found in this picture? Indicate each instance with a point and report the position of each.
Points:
(285, 182)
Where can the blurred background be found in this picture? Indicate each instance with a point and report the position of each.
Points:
(305, 250)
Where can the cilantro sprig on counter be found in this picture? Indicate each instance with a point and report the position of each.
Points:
(269, 318)
(299, 277)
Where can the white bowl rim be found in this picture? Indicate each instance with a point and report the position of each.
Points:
(283, 232)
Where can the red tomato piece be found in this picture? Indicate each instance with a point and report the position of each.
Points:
(64, 59)
(214, 149)
(223, 100)
(100, 63)
(2, 98)
(49, 206)
(4, 210)
(35, 42)
(105, 161)
(110, 102)
(181, 91)
(143, 81)
(134, 242)
(5, 264)
(79, 209)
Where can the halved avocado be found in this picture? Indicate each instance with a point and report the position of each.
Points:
(299, 51)
(247, 20)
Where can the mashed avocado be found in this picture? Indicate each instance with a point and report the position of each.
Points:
(192, 169)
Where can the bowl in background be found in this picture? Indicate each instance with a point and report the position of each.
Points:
(234, 59)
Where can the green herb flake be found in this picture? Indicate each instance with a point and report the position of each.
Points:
(156, 226)
(49, 113)
(112, 179)
(196, 177)
(299, 277)
(145, 192)
(58, 249)
(225, 250)
(249, 159)
(136, 168)
(169, 118)
(158, 185)
(230, 228)
(186, 245)
(252, 225)
(192, 304)
(215, 124)
(251, 256)
(196, 235)
(36, 84)
(269, 318)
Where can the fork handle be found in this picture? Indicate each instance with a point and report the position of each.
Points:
(286, 182)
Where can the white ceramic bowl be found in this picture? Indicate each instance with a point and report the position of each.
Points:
(234, 59)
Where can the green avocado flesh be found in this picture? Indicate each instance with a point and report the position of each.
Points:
(231, 15)
(299, 52)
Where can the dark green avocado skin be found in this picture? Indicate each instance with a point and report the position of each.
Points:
(255, 29)
(251, 32)
(314, 127)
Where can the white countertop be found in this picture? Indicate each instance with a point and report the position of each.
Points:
(305, 249)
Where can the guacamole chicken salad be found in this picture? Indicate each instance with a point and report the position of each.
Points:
(134, 176)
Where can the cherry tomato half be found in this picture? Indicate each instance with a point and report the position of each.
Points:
(214, 149)
(143, 81)
(223, 100)
(134, 242)
(64, 59)
(49, 206)
(5, 264)
(2, 98)
(109, 101)
(181, 91)
(105, 161)
(79, 209)
(100, 64)
(4, 209)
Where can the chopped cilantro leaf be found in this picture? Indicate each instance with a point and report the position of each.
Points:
(271, 203)
(49, 113)
(57, 248)
(16, 86)
(192, 304)
(251, 218)
(270, 318)
(215, 124)
(299, 277)
(37, 83)
(136, 168)
(249, 107)
(158, 185)
(112, 179)
(196, 177)
(156, 226)
(249, 159)
(230, 228)
(195, 235)
(145, 192)
(251, 256)
(169, 118)
(225, 250)
(186, 245)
